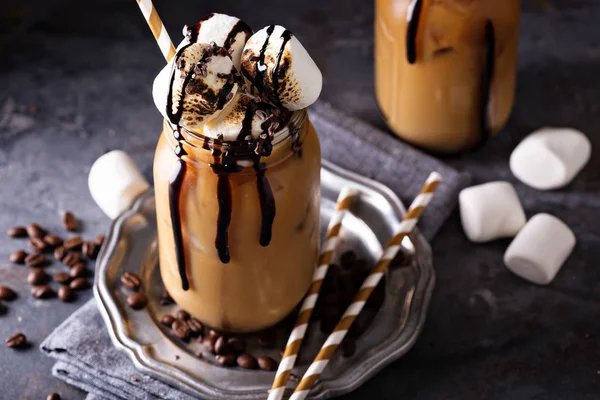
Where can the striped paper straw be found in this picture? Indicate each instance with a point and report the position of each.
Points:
(393, 247)
(344, 201)
(157, 28)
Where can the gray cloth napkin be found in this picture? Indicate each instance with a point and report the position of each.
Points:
(85, 355)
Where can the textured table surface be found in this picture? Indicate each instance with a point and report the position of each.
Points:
(80, 82)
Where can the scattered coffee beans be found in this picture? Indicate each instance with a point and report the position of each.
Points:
(53, 396)
(38, 244)
(221, 346)
(42, 292)
(79, 284)
(16, 340)
(60, 253)
(53, 240)
(167, 320)
(71, 258)
(209, 344)
(62, 277)
(180, 329)
(131, 280)
(246, 361)
(195, 326)
(79, 271)
(227, 360)
(66, 294)
(18, 257)
(36, 260)
(267, 363)
(237, 345)
(37, 277)
(137, 301)
(17, 232)
(214, 334)
(73, 243)
(69, 222)
(34, 230)
(182, 314)
(90, 250)
(7, 293)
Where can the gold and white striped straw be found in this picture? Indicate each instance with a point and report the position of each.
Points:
(158, 29)
(294, 342)
(393, 247)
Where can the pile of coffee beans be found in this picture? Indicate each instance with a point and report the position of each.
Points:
(136, 300)
(73, 252)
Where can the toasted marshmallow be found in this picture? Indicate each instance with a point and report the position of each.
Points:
(225, 31)
(230, 122)
(550, 158)
(115, 182)
(278, 66)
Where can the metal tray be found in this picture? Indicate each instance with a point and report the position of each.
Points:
(132, 246)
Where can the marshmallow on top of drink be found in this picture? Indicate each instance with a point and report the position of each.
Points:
(203, 89)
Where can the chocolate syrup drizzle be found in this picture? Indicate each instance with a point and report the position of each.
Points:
(286, 36)
(412, 29)
(486, 83)
(261, 69)
(267, 203)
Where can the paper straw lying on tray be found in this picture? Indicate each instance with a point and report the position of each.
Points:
(344, 201)
(393, 247)
(158, 29)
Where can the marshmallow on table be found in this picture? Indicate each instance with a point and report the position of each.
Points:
(540, 249)
(279, 66)
(115, 182)
(550, 157)
(221, 28)
(491, 211)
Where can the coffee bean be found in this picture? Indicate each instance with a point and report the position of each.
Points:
(37, 277)
(66, 294)
(35, 231)
(90, 250)
(17, 232)
(267, 338)
(226, 360)
(214, 334)
(62, 277)
(53, 240)
(71, 258)
(348, 347)
(347, 259)
(16, 340)
(209, 344)
(79, 284)
(165, 298)
(195, 326)
(246, 361)
(79, 271)
(60, 253)
(73, 243)
(182, 314)
(36, 260)
(42, 292)
(38, 244)
(167, 320)
(267, 363)
(7, 293)
(18, 257)
(53, 396)
(100, 240)
(137, 301)
(221, 346)
(237, 345)
(131, 280)
(181, 329)
(69, 222)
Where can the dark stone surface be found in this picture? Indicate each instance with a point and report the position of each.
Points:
(488, 335)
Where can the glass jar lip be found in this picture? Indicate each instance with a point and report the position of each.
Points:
(201, 141)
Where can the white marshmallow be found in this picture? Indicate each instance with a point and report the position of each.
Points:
(229, 122)
(284, 71)
(540, 249)
(115, 182)
(550, 157)
(219, 28)
(491, 211)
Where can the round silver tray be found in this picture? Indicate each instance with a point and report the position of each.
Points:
(131, 246)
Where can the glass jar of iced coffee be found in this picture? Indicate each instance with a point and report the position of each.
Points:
(445, 69)
(249, 226)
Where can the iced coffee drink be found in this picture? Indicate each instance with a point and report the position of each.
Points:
(445, 69)
(236, 174)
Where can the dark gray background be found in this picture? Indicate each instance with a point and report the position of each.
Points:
(88, 69)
